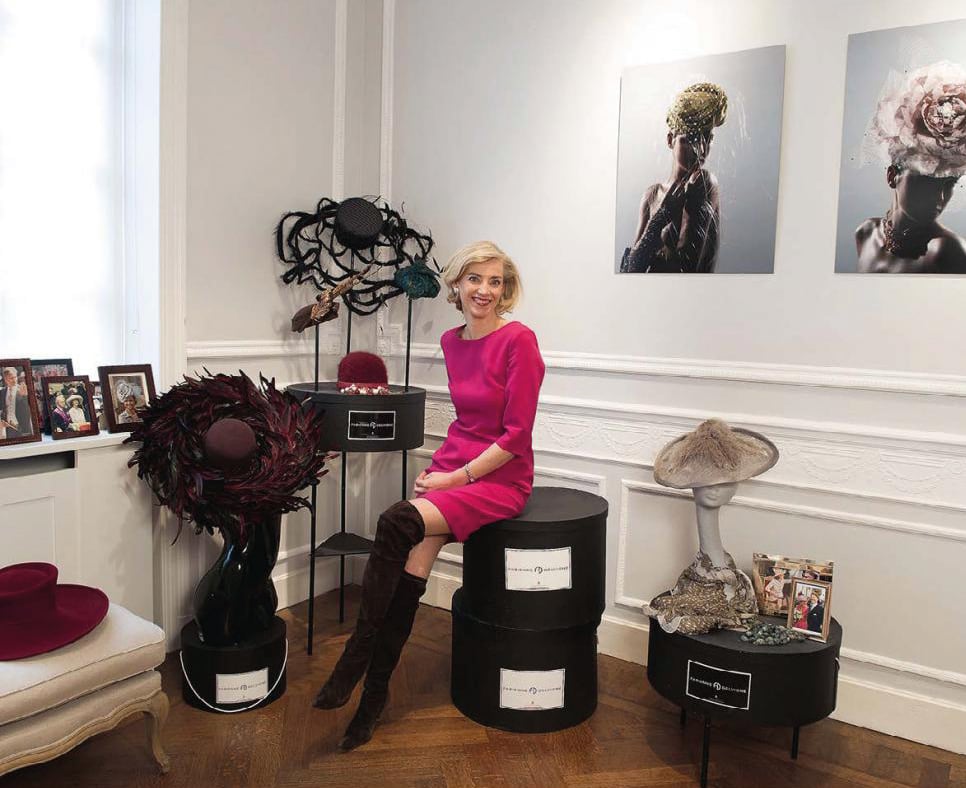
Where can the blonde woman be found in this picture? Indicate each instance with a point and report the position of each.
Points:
(482, 473)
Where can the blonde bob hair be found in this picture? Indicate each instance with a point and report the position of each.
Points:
(481, 252)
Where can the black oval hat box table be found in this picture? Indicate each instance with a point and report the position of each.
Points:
(247, 675)
(367, 422)
(717, 675)
(525, 621)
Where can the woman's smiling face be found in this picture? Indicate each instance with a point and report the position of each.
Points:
(481, 288)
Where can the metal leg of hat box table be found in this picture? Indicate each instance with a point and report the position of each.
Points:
(705, 752)
(706, 744)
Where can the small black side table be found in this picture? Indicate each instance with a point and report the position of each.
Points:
(719, 676)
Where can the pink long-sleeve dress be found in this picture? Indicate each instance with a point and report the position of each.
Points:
(494, 382)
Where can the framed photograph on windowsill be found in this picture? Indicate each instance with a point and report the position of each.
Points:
(19, 414)
(48, 367)
(811, 609)
(126, 389)
(70, 406)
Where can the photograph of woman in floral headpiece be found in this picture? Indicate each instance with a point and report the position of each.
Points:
(697, 173)
(904, 152)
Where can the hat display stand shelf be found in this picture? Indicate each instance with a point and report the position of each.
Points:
(358, 423)
(524, 655)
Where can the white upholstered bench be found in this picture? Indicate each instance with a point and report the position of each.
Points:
(52, 702)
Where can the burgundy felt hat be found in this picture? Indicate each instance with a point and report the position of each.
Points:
(38, 615)
(363, 373)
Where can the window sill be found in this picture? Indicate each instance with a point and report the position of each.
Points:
(49, 446)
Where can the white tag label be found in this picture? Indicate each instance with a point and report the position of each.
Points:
(532, 690)
(241, 687)
(537, 570)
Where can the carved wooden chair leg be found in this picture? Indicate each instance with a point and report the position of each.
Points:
(157, 713)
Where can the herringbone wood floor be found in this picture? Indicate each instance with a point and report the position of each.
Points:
(632, 740)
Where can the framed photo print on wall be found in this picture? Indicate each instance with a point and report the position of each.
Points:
(811, 609)
(125, 390)
(19, 414)
(48, 367)
(902, 195)
(69, 402)
(698, 162)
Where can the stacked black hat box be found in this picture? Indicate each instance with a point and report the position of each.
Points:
(525, 621)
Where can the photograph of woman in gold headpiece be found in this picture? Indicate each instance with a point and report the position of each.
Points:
(697, 171)
(678, 227)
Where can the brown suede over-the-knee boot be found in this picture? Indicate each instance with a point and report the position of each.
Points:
(389, 645)
(399, 529)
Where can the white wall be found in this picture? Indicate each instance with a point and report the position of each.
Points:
(504, 122)
(280, 108)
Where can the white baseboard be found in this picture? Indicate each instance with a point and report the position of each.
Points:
(292, 585)
(929, 712)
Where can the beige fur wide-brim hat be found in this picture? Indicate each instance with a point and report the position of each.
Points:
(714, 454)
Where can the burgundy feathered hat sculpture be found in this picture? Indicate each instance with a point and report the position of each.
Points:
(233, 477)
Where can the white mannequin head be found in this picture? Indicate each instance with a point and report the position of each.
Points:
(714, 496)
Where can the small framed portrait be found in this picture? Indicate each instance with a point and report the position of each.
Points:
(98, 400)
(48, 367)
(811, 608)
(126, 389)
(19, 413)
(773, 576)
(70, 406)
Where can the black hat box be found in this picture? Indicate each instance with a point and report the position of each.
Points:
(367, 422)
(525, 621)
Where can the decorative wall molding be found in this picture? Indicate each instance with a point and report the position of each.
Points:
(173, 188)
(388, 97)
(914, 468)
(330, 343)
(339, 70)
(173, 274)
(856, 379)
(650, 488)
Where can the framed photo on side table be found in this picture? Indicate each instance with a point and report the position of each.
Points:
(811, 609)
(70, 406)
(125, 390)
(773, 576)
(19, 414)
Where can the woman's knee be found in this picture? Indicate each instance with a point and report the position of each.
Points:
(399, 528)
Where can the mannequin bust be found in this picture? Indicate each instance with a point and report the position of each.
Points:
(707, 501)
(712, 592)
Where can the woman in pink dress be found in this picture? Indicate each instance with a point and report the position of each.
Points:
(482, 473)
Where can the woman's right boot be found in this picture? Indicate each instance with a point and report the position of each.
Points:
(400, 528)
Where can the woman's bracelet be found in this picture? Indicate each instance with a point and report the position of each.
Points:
(470, 478)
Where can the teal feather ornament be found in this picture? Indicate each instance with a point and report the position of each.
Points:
(417, 280)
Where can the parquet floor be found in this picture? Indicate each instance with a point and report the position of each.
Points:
(632, 740)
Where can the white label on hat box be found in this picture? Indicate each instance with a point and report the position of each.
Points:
(537, 570)
(241, 687)
(532, 690)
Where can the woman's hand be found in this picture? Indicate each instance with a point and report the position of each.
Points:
(438, 480)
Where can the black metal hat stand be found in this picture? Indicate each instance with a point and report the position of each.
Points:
(406, 404)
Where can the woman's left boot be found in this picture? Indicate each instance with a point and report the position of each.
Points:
(400, 528)
(389, 645)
